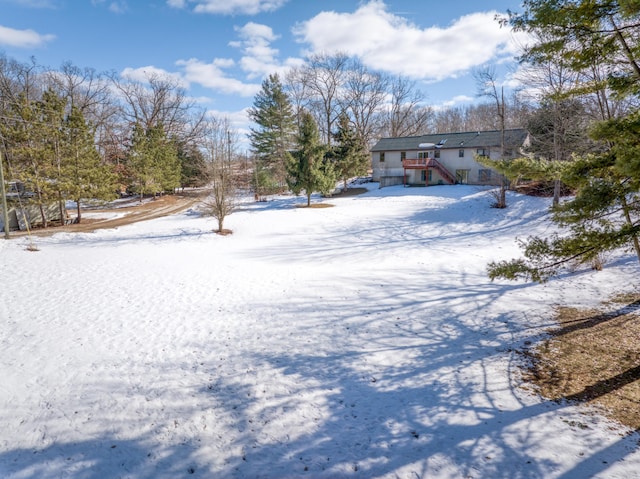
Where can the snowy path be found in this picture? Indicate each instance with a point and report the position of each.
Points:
(362, 340)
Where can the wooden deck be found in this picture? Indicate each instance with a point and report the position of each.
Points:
(427, 164)
(416, 164)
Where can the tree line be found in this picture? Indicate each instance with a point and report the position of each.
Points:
(77, 134)
(352, 107)
(579, 98)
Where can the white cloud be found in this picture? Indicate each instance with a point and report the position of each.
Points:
(119, 6)
(238, 119)
(23, 38)
(259, 58)
(458, 100)
(142, 75)
(202, 100)
(211, 75)
(229, 7)
(391, 43)
(35, 3)
(256, 32)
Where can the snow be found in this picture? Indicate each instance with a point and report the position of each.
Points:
(363, 340)
(104, 215)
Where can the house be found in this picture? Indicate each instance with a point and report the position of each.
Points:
(443, 158)
(22, 213)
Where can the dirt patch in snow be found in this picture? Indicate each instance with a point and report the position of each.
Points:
(593, 357)
(132, 212)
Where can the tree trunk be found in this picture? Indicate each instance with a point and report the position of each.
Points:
(43, 213)
(627, 217)
(503, 195)
(79, 216)
(557, 184)
(308, 199)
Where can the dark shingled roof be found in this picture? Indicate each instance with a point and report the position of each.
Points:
(471, 139)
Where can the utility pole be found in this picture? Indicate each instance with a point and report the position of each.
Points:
(3, 192)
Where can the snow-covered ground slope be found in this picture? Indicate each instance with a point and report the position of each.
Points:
(362, 340)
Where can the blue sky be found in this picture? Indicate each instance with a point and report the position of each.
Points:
(221, 50)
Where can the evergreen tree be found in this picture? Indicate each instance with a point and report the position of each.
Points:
(274, 137)
(604, 214)
(85, 177)
(139, 162)
(47, 163)
(17, 135)
(30, 130)
(307, 170)
(350, 157)
(153, 161)
(193, 166)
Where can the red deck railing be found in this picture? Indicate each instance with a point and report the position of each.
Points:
(415, 163)
(427, 163)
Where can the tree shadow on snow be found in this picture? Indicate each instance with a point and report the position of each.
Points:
(411, 379)
(403, 398)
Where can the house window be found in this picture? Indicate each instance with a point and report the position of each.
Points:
(462, 177)
(423, 176)
(436, 154)
(382, 157)
(460, 153)
(403, 155)
(423, 154)
(482, 152)
(484, 176)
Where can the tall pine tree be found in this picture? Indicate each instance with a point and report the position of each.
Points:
(85, 176)
(350, 157)
(274, 136)
(306, 167)
(153, 161)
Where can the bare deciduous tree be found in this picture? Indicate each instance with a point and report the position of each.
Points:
(407, 114)
(365, 92)
(91, 94)
(85, 89)
(559, 126)
(297, 91)
(220, 145)
(324, 78)
(159, 100)
(487, 82)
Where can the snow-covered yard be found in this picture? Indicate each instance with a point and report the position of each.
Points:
(363, 340)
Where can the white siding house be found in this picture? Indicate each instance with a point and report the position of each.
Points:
(443, 158)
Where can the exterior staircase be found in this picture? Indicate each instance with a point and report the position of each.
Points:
(429, 163)
(442, 171)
